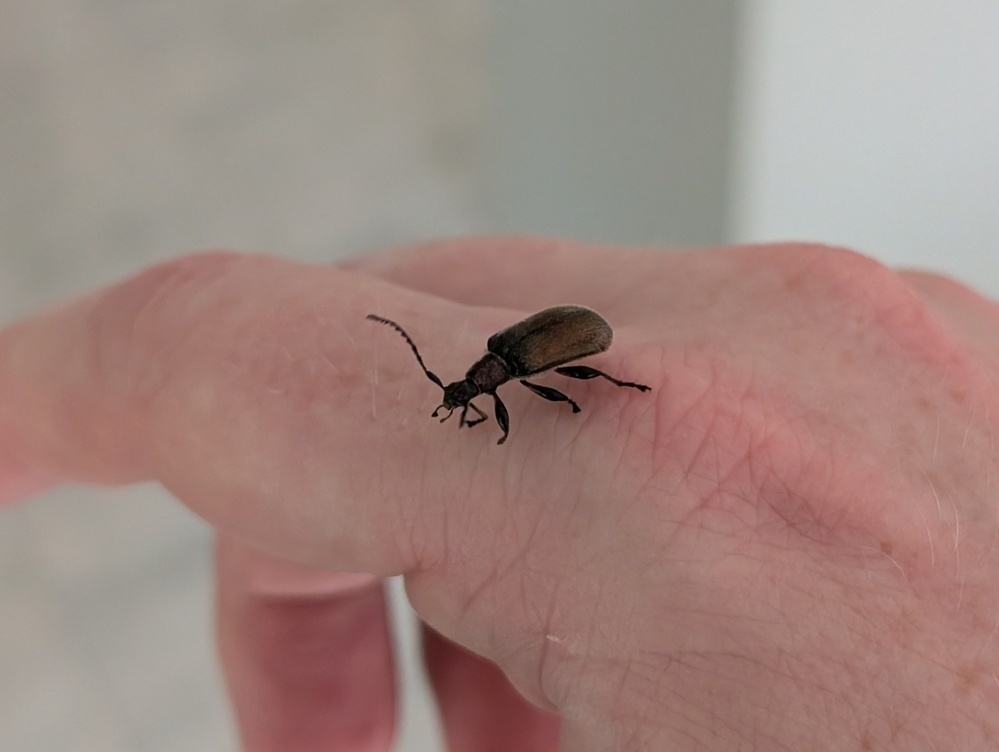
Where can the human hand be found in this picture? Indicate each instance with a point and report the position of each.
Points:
(788, 544)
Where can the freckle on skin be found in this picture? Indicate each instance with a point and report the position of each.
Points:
(970, 680)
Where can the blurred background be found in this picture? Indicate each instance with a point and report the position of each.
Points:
(134, 131)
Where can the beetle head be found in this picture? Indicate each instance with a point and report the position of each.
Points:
(456, 394)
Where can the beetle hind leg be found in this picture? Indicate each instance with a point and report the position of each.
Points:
(585, 372)
(552, 395)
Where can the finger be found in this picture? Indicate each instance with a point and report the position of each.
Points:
(19, 481)
(529, 273)
(306, 655)
(480, 709)
(248, 386)
(256, 391)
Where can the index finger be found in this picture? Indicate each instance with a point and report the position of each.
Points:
(255, 390)
(243, 384)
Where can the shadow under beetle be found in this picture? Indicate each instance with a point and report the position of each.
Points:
(539, 343)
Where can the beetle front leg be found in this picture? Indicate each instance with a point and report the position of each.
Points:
(502, 417)
(585, 372)
(435, 412)
(465, 422)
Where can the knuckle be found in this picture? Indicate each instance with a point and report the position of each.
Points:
(843, 275)
(863, 288)
(865, 299)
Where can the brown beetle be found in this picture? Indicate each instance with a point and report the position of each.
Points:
(539, 343)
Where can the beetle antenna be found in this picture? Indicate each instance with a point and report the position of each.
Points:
(430, 374)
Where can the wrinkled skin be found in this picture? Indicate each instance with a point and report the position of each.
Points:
(789, 544)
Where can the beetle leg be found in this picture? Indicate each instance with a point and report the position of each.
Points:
(470, 423)
(548, 393)
(434, 413)
(481, 418)
(502, 417)
(585, 372)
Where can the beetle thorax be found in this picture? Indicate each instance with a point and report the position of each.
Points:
(488, 372)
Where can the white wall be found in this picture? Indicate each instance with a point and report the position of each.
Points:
(874, 124)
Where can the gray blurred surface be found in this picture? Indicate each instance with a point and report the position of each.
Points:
(131, 132)
(612, 120)
(134, 131)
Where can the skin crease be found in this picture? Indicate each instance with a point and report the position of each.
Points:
(790, 543)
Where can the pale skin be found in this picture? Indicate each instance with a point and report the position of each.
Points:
(791, 543)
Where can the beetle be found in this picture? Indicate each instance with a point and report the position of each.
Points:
(541, 342)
